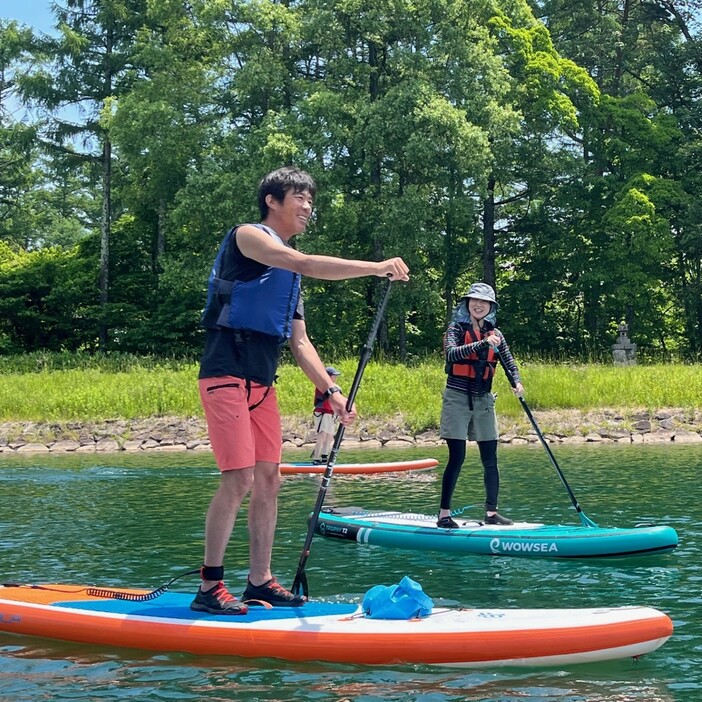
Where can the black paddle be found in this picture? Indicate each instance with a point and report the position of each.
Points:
(586, 521)
(299, 586)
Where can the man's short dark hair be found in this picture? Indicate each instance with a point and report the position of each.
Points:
(280, 181)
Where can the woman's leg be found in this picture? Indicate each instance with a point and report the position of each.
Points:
(491, 474)
(457, 454)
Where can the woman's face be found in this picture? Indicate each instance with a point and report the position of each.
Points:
(478, 309)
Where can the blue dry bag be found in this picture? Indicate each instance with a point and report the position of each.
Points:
(404, 601)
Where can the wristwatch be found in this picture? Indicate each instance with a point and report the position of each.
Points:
(330, 391)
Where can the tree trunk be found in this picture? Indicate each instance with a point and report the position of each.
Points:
(106, 223)
(160, 236)
(402, 336)
(619, 59)
(489, 234)
(105, 243)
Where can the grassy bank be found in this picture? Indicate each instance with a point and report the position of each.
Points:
(58, 392)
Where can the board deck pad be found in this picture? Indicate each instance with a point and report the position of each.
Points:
(174, 605)
(177, 606)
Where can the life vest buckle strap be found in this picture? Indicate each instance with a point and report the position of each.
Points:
(220, 286)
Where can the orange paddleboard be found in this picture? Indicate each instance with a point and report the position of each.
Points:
(334, 632)
(359, 468)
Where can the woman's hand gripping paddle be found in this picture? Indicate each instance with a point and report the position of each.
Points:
(586, 521)
(299, 586)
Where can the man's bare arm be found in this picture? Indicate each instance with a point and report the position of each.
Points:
(257, 245)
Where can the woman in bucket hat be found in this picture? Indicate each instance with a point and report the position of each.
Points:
(468, 407)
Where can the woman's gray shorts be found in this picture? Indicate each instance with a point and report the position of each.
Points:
(458, 421)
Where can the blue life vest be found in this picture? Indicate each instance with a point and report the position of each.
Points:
(265, 304)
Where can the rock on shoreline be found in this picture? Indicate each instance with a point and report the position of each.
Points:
(190, 434)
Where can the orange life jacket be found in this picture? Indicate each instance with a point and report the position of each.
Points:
(479, 364)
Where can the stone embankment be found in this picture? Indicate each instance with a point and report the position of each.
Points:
(190, 434)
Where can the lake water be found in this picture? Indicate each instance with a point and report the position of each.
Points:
(137, 520)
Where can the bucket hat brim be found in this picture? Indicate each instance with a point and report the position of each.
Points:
(481, 291)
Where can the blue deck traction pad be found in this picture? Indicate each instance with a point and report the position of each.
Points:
(176, 605)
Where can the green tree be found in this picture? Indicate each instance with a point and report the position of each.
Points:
(45, 300)
(90, 62)
(17, 140)
(645, 58)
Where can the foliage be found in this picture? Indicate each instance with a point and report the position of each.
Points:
(553, 146)
(44, 299)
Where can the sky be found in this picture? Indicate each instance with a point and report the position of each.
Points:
(38, 15)
(35, 13)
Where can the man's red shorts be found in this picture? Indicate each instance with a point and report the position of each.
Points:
(241, 436)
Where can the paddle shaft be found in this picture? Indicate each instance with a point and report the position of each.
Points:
(299, 585)
(583, 517)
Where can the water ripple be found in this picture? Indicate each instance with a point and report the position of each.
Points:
(138, 520)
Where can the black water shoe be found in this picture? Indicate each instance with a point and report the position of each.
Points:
(272, 593)
(218, 600)
(446, 523)
(498, 519)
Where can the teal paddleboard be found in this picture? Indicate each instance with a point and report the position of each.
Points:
(523, 539)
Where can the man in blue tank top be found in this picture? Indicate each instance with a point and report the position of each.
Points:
(253, 307)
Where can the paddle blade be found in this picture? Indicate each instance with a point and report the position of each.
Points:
(586, 521)
(299, 586)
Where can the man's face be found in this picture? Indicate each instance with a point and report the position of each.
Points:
(294, 212)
